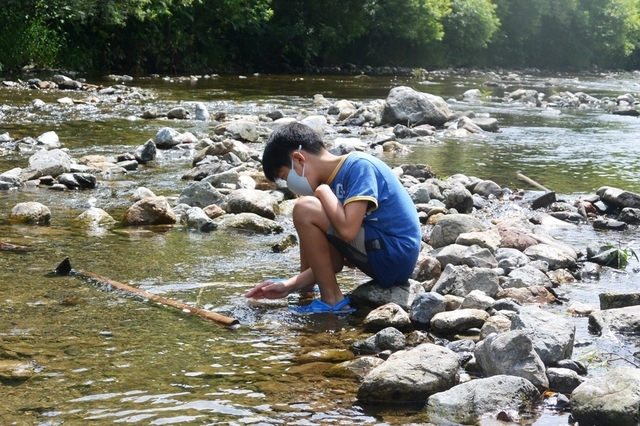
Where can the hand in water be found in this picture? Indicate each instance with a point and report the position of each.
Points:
(269, 289)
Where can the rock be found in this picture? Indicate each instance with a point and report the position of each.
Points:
(407, 106)
(250, 222)
(78, 180)
(411, 376)
(611, 300)
(30, 212)
(458, 197)
(612, 399)
(511, 353)
(618, 197)
(49, 140)
(563, 380)
(557, 258)
(487, 124)
(425, 306)
(427, 268)
(458, 321)
(16, 371)
(544, 200)
(495, 324)
(167, 138)
(389, 315)
(450, 255)
(316, 122)
(252, 201)
(200, 194)
(478, 257)
(469, 402)
(449, 228)
(241, 130)
(43, 163)
(552, 335)
(533, 294)
(178, 113)
(196, 218)
(462, 280)
(515, 239)
(95, 217)
(477, 300)
(372, 294)
(354, 369)
(202, 114)
(630, 215)
(623, 320)
(150, 211)
(489, 239)
(510, 259)
(325, 355)
(389, 338)
(527, 276)
(146, 152)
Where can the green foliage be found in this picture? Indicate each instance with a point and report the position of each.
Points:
(469, 29)
(615, 256)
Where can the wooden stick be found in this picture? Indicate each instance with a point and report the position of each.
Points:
(65, 268)
(532, 182)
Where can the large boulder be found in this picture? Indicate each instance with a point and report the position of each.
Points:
(449, 228)
(612, 399)
(625, 320)
(468, 402)
(47, 163)
(411, 376)
(253, 201)
(30, 212)
(407, 106)
(618, 197)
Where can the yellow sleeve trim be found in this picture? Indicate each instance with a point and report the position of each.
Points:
(373, 203)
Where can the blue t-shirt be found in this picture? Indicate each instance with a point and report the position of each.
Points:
(391, 215)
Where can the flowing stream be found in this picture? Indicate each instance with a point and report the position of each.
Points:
(99, 356)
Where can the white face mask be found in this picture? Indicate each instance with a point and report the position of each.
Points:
(298, 184)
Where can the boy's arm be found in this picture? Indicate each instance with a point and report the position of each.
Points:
(346, 220)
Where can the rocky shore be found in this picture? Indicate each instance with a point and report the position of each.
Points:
(471, 335)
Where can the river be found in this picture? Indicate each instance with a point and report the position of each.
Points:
(102, 357)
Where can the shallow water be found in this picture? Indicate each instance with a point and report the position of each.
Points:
(105, 357)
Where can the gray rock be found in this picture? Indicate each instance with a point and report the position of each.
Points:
(552, 335)
(468, 402)
(511, 353)
(178, 113)
(624, 320)
(630, 215)
(372, 294)
(411, 376)
(43, 163)
(167, 137)
(356, 368)
(461, 280)
(612, 399)
(449, 228)
(150, 211)
(407, 106)
(249, 222)
(510, 259)
(196, 218)
(387, 339)
(200, 194)
(451, 254)
(202, 113)
(618, 197)
(425, 306)
(611, 300)
(489, 239)
(30, 212)
(457, 321)
(49, 140)
(389, 315)
(252, 201)
(557, 258)
(78, 180)
(146, 152)
(563, 380)
(241, 130)
(527, 276)
(477, 300)
(478, 257)
(316, 122)
(458, 197)
(487, 124)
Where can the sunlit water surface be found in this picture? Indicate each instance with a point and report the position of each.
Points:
(104, 357)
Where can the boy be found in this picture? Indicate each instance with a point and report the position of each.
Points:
(351, 206)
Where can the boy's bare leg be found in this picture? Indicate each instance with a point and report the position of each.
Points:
(316, 252)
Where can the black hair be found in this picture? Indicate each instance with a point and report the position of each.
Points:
(281, 144)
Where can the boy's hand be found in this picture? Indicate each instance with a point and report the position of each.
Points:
(268, 290)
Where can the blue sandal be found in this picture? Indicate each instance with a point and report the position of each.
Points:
(320, 307)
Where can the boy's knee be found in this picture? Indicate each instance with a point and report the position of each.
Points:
(305, 207)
